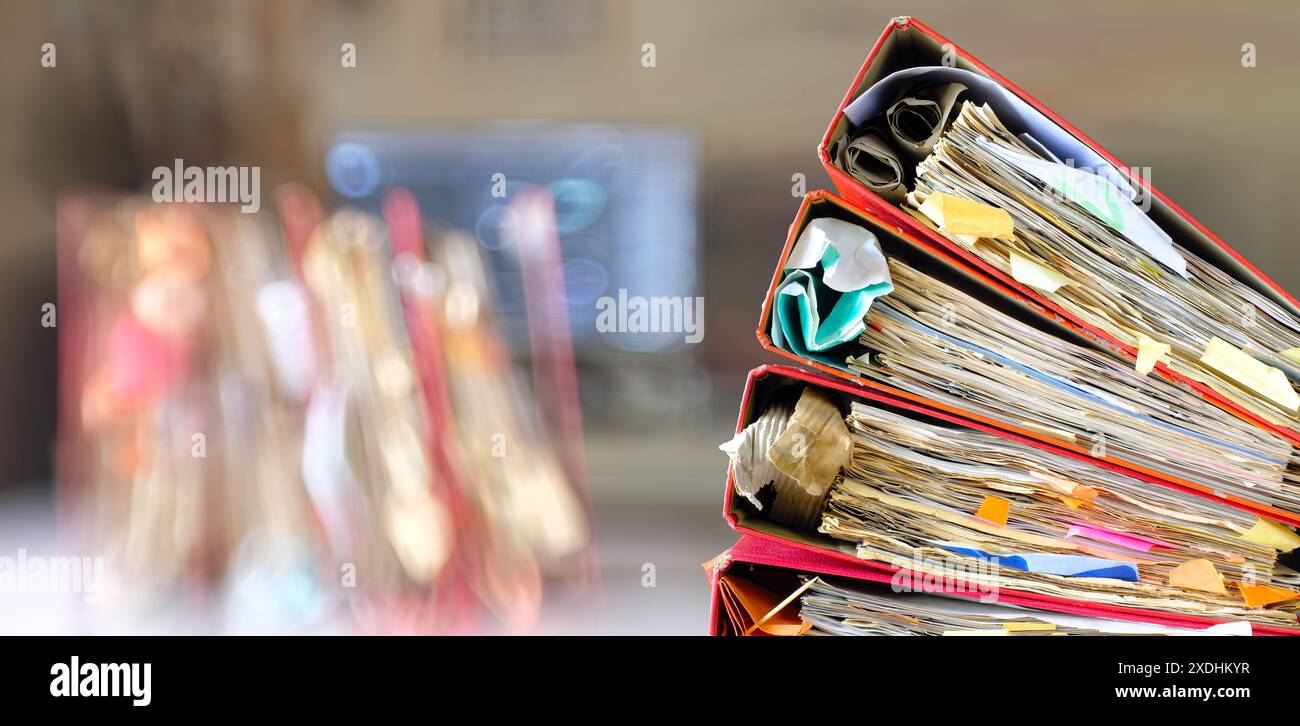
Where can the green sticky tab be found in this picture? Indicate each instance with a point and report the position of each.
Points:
(1111, 215)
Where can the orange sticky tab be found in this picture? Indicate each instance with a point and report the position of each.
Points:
(1257, 596)
(1198, 574)
(1084, 493)
(995, 510)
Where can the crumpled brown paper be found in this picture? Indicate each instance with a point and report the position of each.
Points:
(815, 444)
(799, 450)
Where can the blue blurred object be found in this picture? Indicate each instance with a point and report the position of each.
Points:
(625, 201)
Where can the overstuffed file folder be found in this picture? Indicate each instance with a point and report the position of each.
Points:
(768, 588)
(1092, 243)
(1047, 382)
(899, 489)
(949, 336)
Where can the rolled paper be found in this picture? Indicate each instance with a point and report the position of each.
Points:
(868, 158)
(918, 120)
(748, 601)
(835, 271)
(981, 89)
(787, 625)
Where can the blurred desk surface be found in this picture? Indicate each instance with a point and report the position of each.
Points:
(657, 498)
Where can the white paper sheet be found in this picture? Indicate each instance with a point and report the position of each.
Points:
(859, 261)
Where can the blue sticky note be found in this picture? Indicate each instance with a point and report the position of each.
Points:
(1054, 564)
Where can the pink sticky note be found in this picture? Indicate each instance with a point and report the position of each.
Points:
(1101, 534)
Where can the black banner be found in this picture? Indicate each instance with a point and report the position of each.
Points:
(213, 676)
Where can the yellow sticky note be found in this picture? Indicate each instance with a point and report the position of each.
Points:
(1149, 352)
(1027, 627)
(965, 218)
(1272, 534)
(1040, 277)
(1198, 574)
(995, 510)
(1258, 596)
(1292, 353)
(1261, 378)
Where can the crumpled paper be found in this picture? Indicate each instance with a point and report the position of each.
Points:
(799, 450)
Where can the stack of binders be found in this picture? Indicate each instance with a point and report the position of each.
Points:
(1043, 399)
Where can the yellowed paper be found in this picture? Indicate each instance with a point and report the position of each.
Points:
(1273, 535)
(1029, 538)
(1149, 353)
(962, 217)
(1027, 627)
(1261, 378)
(1292, 353)
(1028, 272)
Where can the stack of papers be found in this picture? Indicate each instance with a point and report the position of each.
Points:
(1082, 243)
(843, 608)
(1007, 513)
(1060, 386)
(929, 338)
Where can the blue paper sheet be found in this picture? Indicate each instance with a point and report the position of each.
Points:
(1053, 564)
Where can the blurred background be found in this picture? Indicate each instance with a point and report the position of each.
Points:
(678, 179)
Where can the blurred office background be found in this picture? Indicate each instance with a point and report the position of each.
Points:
(676, 179)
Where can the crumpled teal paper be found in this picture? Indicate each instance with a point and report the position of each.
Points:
(810, 317)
